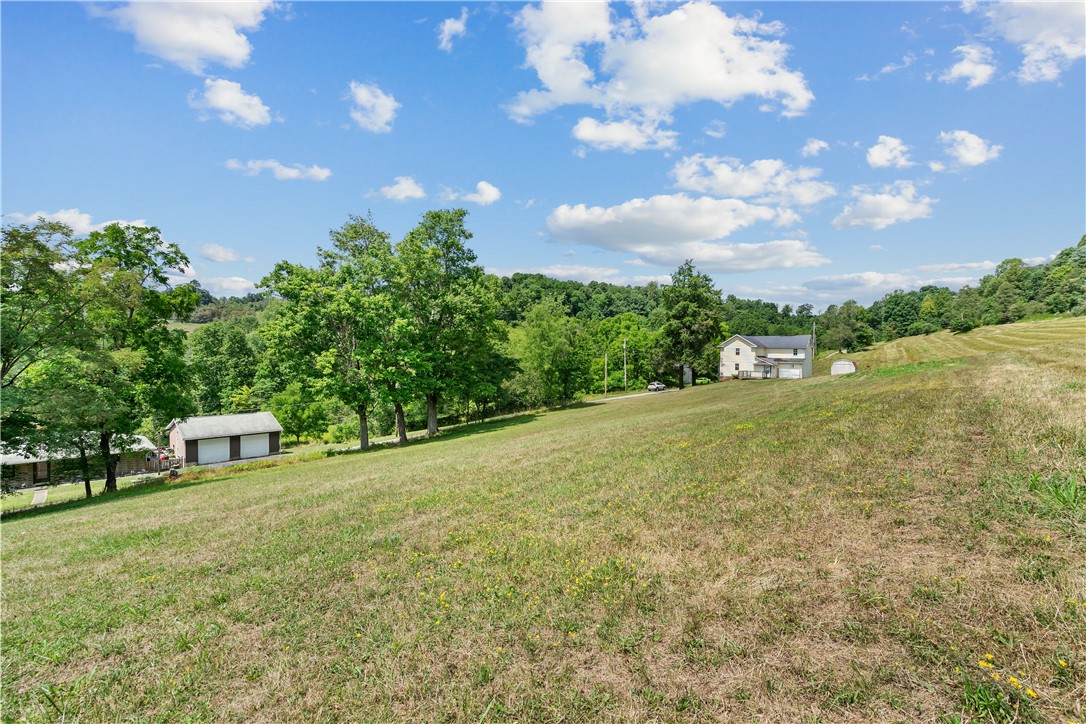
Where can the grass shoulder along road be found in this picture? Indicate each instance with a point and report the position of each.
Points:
(904, 546)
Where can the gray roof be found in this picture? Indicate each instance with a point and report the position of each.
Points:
(141, 443)
(795, 341)
(249, 423)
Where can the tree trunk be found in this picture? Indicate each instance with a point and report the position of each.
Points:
(401, 425)
(431, 414)
(681, 381)
(693, 377)
(363, 428)
(111, 464)
(84, 469)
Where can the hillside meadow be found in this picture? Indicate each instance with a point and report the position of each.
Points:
(903, 544)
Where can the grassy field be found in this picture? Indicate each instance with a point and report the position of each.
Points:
(903, 544)
(64, 493)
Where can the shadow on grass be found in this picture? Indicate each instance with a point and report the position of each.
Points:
(148, 487)
(457, 432)
(212, 475)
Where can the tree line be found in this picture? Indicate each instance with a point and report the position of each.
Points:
(379, 337)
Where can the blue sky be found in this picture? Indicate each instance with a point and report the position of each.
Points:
(797, 152)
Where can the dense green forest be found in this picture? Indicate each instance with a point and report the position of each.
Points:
(379, 337)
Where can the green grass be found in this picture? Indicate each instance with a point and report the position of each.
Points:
(63, 493)
(844, 548)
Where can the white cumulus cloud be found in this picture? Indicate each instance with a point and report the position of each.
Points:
(81, 223)
(281, 172)
(219, 253)
(813, 147)
(405, 188)
(371, 108)
(767, 180)
(228, 286)
(452, 28)
(667, 229)
(889, 152)
(651, 220)
(233, 106)
(192, 35)
(858, 284)
(895, 203)
(1050, 35)
(642, 68)
(627, 135)
(975, 67)
(865, 287)
(485, 194)
(968, 149)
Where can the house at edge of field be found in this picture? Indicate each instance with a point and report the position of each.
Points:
(765, 358)
(218, 438)
(24, 471)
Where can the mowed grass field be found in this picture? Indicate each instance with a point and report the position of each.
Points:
(903, 544)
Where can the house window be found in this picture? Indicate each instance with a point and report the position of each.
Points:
(795, 352)
(736, 366)
(738, 351)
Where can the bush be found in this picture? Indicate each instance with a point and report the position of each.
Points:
(346, 431)
(960, 326)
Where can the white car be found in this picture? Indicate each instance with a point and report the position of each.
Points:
(657, 386)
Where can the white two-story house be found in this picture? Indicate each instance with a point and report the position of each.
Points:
(765, 358)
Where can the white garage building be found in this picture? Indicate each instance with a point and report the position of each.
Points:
(218, 438)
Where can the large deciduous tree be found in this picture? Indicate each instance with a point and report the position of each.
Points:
(90, 349)
(450, 305)
(845, 327)
(337, 318)
(554, 354)
(691, 319)
(134, 360)
(42, 306)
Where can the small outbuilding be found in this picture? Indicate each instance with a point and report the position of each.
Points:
(219, 438)
(842, 367)
(45, 468)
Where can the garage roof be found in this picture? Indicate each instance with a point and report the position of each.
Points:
(249, 423)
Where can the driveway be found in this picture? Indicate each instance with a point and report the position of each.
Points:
(627, 397)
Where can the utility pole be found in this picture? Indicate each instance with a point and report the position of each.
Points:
(624, 365)
(605, 374)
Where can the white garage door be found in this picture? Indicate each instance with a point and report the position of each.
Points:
(791, 372)
(254, 446)
(214, 450)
